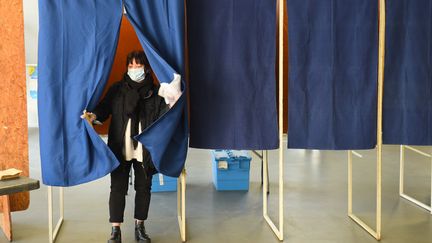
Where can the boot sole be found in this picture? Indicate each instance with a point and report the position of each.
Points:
(141, 241)
(114, 241)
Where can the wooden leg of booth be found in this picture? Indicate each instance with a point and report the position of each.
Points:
(7, 221)
(181, 204)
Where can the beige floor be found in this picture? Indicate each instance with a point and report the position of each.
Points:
(315, 203)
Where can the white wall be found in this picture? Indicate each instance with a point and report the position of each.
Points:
(31, 27)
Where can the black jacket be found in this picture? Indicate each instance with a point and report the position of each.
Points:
(151, 107)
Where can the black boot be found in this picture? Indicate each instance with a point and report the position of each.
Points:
(115, 235)
(140, 233)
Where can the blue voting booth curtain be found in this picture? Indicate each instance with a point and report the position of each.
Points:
(332, 74)
(232, 74)
(159, 25)
(77, 43)
(407, 110)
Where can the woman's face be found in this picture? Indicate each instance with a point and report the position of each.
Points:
(134, 65)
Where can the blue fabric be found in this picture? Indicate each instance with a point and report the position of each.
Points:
(77, 43)
(232, 74)
(332, 74)
(407, 111)
(160, 28)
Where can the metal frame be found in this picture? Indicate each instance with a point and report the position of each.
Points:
(401, 176)
(278, 231)
(381, 54)
(181, 204)
(260, 156)
(53, 234)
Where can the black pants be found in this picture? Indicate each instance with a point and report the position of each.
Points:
(119, 188)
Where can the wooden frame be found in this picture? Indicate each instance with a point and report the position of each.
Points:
(402, 177)
(381, 59)
(181, 204)
(6, 221)
(52, 234)
(278, 231)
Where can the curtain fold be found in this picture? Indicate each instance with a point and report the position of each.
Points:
(77, 43)
(159, 25)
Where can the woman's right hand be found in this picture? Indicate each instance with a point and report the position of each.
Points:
(90, 117)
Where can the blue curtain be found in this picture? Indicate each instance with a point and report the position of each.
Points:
(159, 25)
(232, 74)
(407, 117)
(332, 74)
(77, 43)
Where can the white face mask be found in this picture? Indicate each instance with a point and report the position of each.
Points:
(136, 74)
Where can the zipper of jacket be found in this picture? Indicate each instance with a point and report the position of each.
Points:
(124, 126)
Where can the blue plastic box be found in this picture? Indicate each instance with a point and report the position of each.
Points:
(231, 170)
(162, 183)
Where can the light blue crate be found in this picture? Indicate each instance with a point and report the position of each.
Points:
(164, 183)
(231, 170)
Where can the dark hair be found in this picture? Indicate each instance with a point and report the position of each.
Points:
(139, 56)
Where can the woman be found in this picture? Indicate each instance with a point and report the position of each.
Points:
(134, 104)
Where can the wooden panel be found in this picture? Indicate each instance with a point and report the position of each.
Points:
(13, 98)
(128, 41)
(6, 221)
